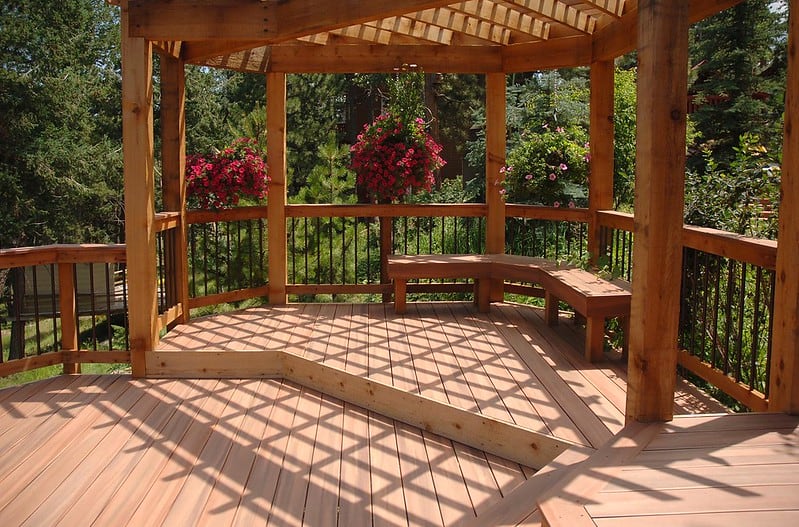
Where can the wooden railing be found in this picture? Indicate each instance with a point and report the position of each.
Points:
(727, 303)
(727, 280)
(62, 304)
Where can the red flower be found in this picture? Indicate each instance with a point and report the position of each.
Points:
(220, 180)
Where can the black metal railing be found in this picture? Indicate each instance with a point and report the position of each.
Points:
(226, 255)
(30, 309)
(726, 316)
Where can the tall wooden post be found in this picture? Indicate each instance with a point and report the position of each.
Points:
(496, 131)
(659, 189)
(276, 204)
(600, 180)
(173, 177)
(137, 151)
(784, 388)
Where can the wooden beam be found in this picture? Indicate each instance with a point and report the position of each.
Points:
(272, 22)
(600, 180)
(659, 190)
(276, 201)
(496, 132)
(193, 52)
(567, 52)
(376, 58)
(139, 176)
(784, 388)
(560, 13)
(173, 179)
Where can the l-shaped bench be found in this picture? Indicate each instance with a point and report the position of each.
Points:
(591, 296)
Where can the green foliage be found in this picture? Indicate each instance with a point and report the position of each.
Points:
(624, 119)
(549, 168)
(60, 162)
(741, 197)
(330, 181)
(738, 77)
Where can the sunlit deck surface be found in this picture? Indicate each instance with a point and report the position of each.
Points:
(111, 450)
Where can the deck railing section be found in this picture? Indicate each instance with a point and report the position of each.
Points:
(342, 249)
(616, 243)
(62, 304)
(545, 232)
(227, 255)
(727, 302)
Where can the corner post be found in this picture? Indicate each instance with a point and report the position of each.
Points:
(784, 386)
(173, 160)
(496, 131)
(276, 200)
(659, 199)
(600, 180)
(137, 152)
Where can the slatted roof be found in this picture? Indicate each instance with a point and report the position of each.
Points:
(298, 36)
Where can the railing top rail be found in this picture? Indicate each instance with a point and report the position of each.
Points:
(234, 214)
(542, 212)
(392, 210)
(62, 253)
(756, 251)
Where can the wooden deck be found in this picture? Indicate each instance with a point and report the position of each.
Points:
(111, 450)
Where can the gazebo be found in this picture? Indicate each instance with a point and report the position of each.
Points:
(493, 38)
(344, 414)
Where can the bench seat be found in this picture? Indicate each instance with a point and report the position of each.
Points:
(590, 296)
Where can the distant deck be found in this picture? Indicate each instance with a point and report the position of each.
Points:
(111, 450)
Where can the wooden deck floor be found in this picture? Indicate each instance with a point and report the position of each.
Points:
(111, 450)
(506, 364)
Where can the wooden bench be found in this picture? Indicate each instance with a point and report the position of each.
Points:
(402, 268)
(590, 296)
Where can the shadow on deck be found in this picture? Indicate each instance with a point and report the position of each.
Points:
(442, 416)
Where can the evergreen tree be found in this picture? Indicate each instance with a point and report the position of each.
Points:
(60, 125)
(738, 77)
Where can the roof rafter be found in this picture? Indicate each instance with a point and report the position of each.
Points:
(611, 7)
(460, 23)
(417, 29)
(505, 17)
(559, 12)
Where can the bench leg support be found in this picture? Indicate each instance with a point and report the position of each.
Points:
(482, 295)
(550, 309)
(594, 338)
(400, 290)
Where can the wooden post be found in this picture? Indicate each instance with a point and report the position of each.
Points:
(69, 317)
(173, 160)
(659, 189)
(600, 181)
(276, 204)
(137, 151)
(496, 131)
(784, 387)
(386, 249)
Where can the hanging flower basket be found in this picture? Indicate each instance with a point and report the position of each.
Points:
(222, 179)
(393, 159)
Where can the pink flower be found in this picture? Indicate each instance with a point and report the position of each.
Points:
(528, 177)
(556, 204)
(552, 177)
(563, 166)
(572, 205)
(559, 129)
